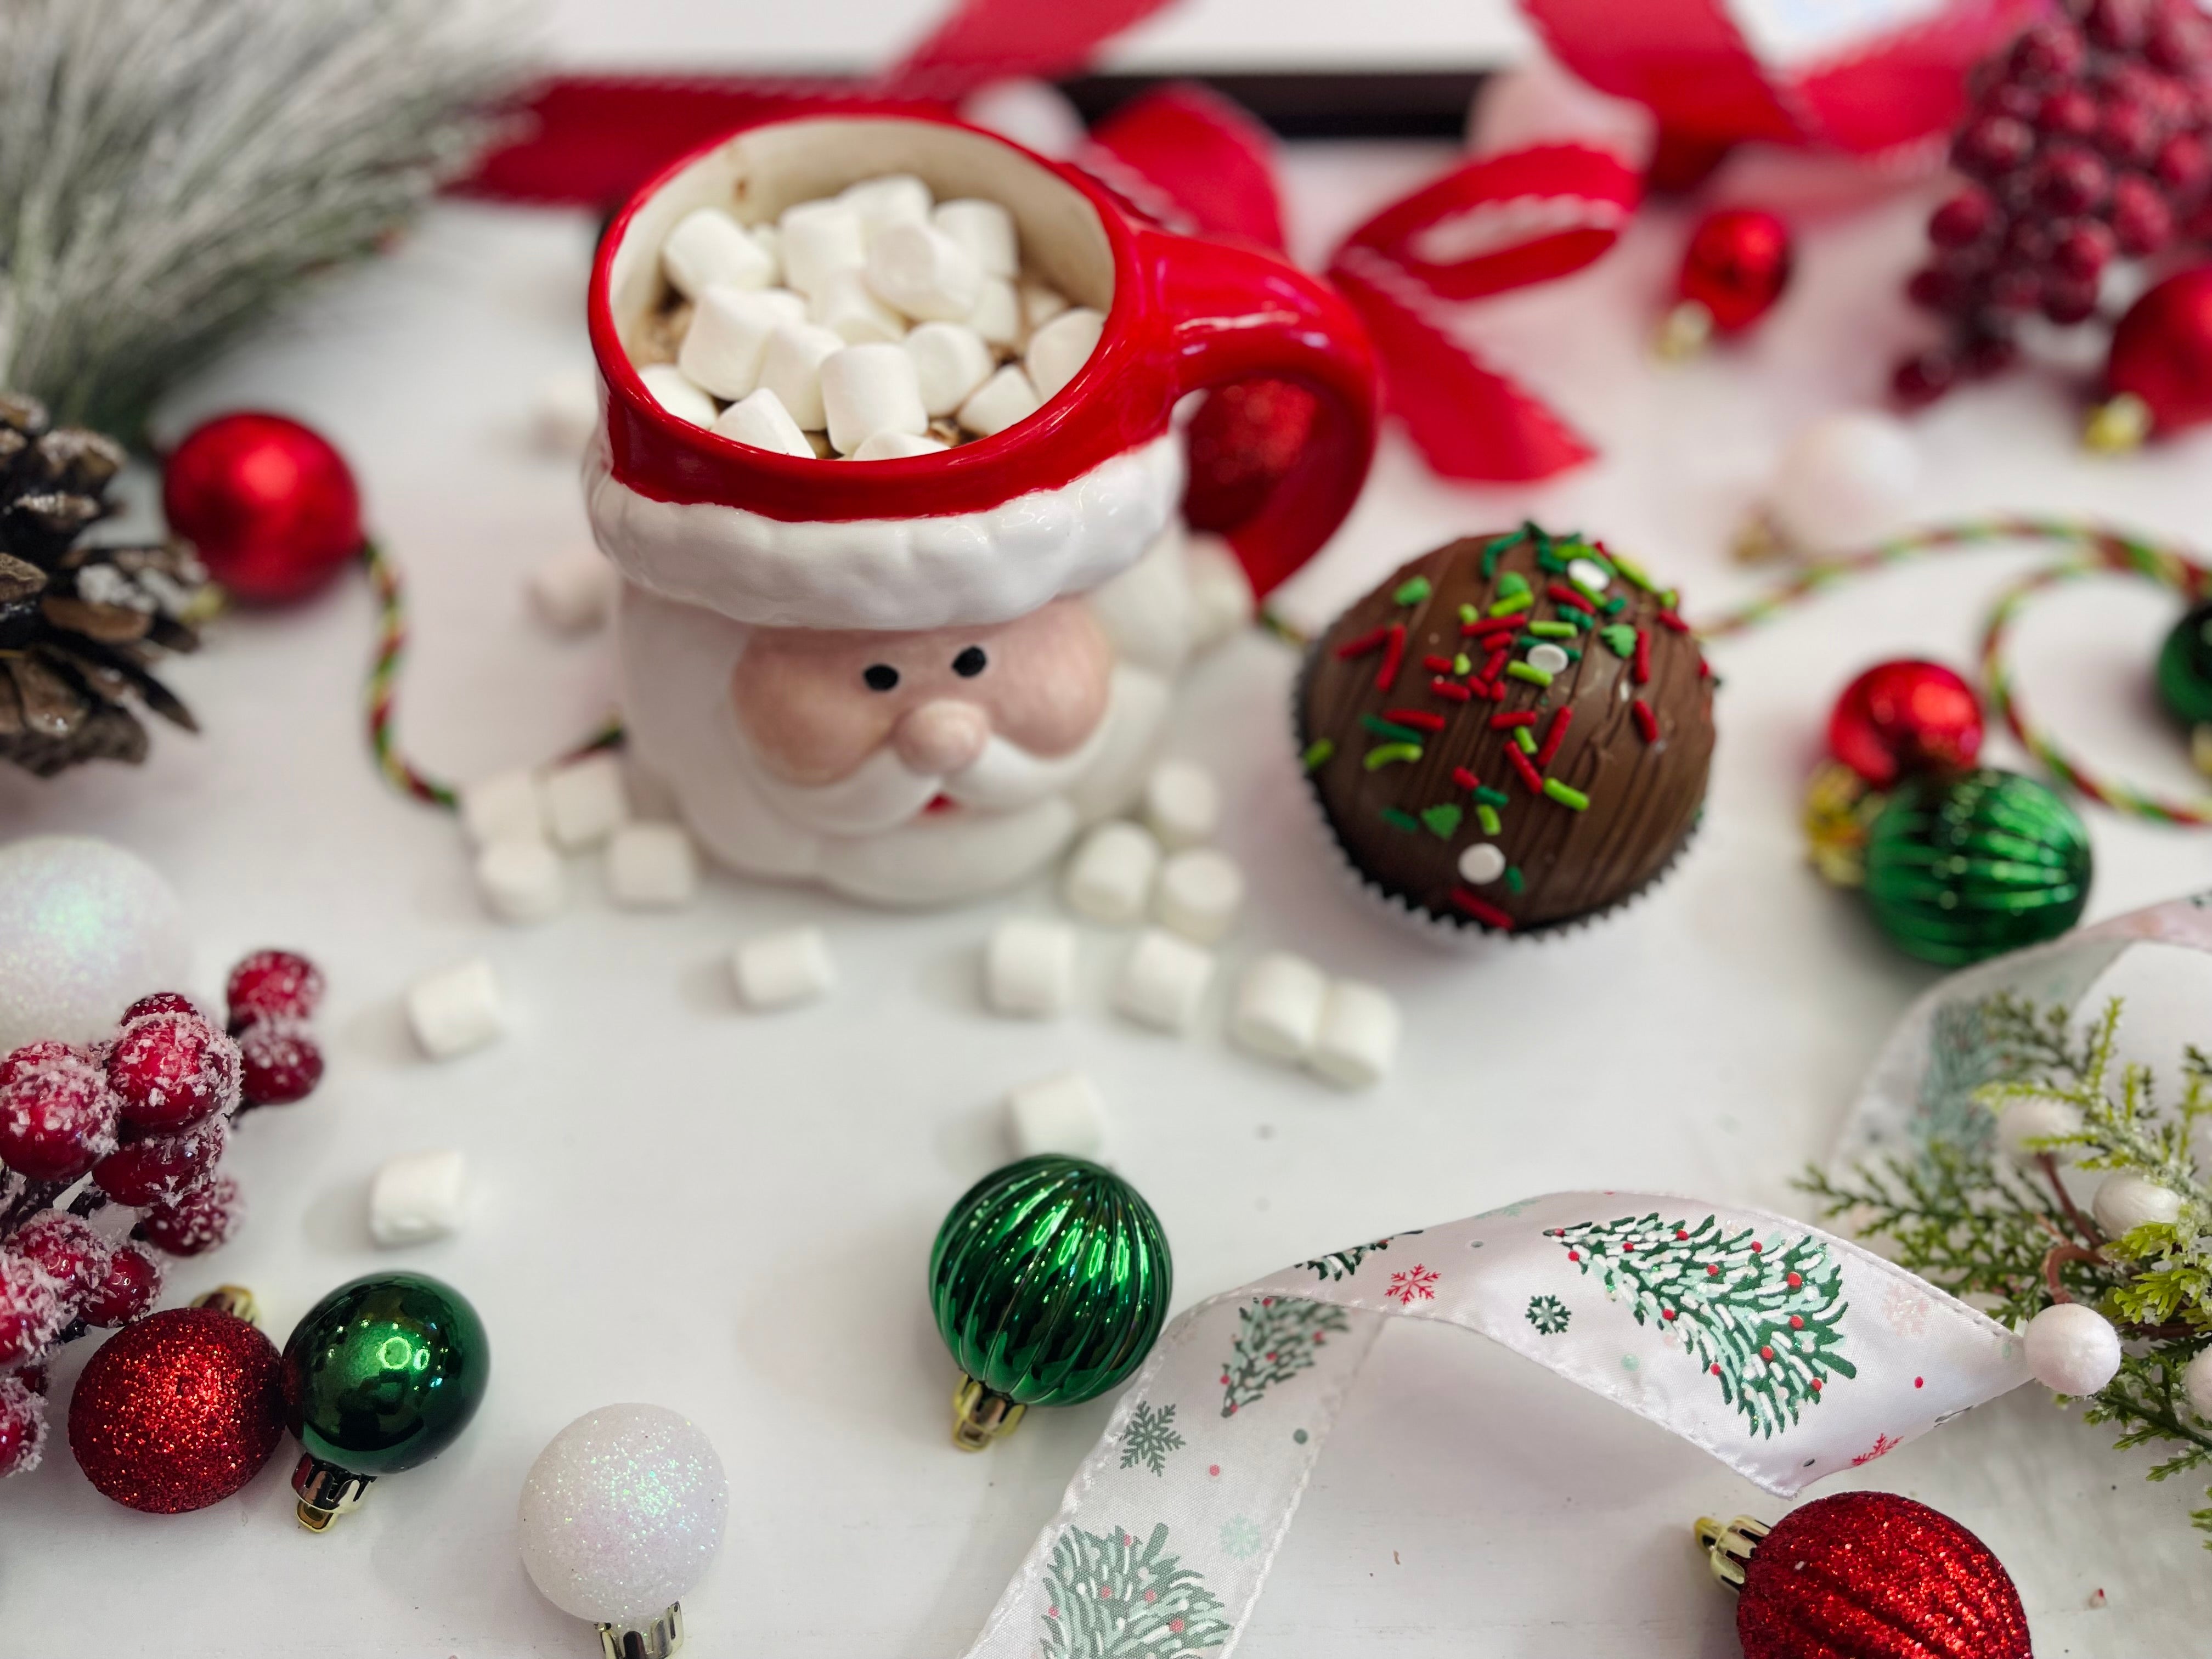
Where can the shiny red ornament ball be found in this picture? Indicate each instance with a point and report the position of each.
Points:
(270, 505)
(1736, 266)
(1905, 716)
(1868, 1575)
(1243, 442)
(178, 1410)
(2161, 351)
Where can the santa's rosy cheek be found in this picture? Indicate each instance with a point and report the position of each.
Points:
(1048, 679)
(810, 720)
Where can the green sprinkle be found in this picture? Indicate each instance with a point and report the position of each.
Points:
(1490, 797)
(1525, 738)
(1486, 815)
(1468, 613)
(1398, 820)
(1612, 606)
(1512, 582)
(1552, 630)
(1513, 880)
(1620, 637)
(1492, 551)
(1463, 664)
(1519, 602)
(1573, 655)
(1412, 591)
(1565, 795)
(1575, 620)
(1317, 753)
(1633, 571)
(1522, 670)
(1596, 596)
(1671, 598)
(1390, 729)
(1441, 820)
(1376, 759)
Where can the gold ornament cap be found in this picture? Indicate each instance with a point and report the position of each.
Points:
(1687, 330)
(981, 1415)
(2117, 425)
(1729, 1548)
(233, 1300)
(656, 1639)
(326, 1492)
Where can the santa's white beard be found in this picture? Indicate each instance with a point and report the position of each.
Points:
(882, 793)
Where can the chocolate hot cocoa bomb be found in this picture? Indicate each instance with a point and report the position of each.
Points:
(1512, 733)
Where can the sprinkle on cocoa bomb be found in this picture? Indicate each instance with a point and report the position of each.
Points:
(1512, 733)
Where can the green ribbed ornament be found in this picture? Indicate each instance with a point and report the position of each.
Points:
(2185, 666)
(1973, 863)
(1050, 1281)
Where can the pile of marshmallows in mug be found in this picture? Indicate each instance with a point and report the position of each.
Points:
(873, 324)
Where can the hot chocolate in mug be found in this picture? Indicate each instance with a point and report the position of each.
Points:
(914, 680)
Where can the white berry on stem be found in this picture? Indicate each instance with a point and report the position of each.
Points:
(2072, 1349)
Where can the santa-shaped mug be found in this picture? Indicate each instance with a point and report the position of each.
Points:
(914, 680)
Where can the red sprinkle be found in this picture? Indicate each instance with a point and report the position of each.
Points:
(1465, 779)
(1643, 658)
(1528, 774)
(1646, 721)
(1507, 722)
(1704, 669)
(1393, 652)
(1486, 626)
(1362, 645)
(1566, 595)
(1484, 911)
(1555, 736)
(1495, 665)
(1668, 619)
(1495, 690)
(1437, 665)
(1415, 717)
(1452, 688)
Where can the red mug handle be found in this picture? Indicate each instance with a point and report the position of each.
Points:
(1236, 312)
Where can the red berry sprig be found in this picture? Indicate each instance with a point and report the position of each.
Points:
(2090, 142)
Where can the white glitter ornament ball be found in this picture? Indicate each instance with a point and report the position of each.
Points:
(1845, 482)
(621, 1512)
(2196, 1384)
(2072, 1349)
(86, 929)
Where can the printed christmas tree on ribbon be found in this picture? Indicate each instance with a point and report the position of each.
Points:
(1763, 1316)
(1275, 1339)
(1342, 1264)
(1108, 1597)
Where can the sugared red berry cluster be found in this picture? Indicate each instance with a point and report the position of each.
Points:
(2090, 141)
(145, 1115)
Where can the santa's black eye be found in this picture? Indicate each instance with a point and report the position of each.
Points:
(971, 662)
(880, 677)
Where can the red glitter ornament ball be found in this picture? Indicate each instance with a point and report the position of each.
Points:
(269, 504)
(1905, 716)
(178, 1410)
(1736, 266)
(1868, 1575)
(2161, 353)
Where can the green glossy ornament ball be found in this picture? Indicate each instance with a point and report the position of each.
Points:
(385, 1372)
(1973, 863)
(2185, 666)
(1050, 1281)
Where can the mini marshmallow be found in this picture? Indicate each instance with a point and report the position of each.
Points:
(760, 419)
(677, 394)
(574, 591)
(920, 271)
(722, 349)
(1040, 303)
(781, 970)
(585, 802)
(709, 247)
(507, 804)
(563, 412)
(770, 240)
(1164, 981)
(950, 362)
(1182, 803)
(868, 389)
(791, 368)
(1278, 1006)
(1061, 1114)
(848, 308)
(896, 199)
(1110, 877)
(417, 1198)
(1221, 601)
(985, 230)
(1060, 348)
(520, 879)
(898, 447)
(816, 238)
(652, 867)
(455, 1009)
(998, 315)
(1200, 892)
(1359, 1035)
(1005, 397)
(1029, 968)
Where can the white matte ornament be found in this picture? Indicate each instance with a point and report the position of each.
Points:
(1182, 803)
(86, 929)
(2072, 1349)
(1035, 114)
(1199, 893)
(897, 446)
(1845, 482)
(1164, 981)
(817, 238)
(950, 362)
(575, 591)
(722, 349)
(999, 402)
(919, 271)
(585, 801)
(1061, 347)
(791, 368)
(1029, 968)
(1110, 879)
(1062, 1115)
(621, 1513)
(845, 305)
(1358, 1035)
(2196, 1384)
(456, 1010)
(868, 389)
(417, 1198)
(985, 230)
(521, 880)
(760, 420)
(676, 394)
(781, 970)
(505, 806)
(2035, 1120)
(652, 867)
(1279, 1004)
(2124, 1202)
(709, 247)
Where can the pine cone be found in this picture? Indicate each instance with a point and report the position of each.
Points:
(80, 624)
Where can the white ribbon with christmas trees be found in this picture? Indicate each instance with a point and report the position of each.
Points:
(1787, 1353)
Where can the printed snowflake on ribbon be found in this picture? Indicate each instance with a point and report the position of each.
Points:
(1883, 1445)
(1150, 1438)
(1762, 1315)
(1548, 1314)
(1416, 1283)
(1110, 1597)
(1241, 1538)
(1276, 1336)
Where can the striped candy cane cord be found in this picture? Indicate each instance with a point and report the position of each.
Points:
(2100, 550)
(382, 695)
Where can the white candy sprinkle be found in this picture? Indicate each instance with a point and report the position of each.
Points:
(1548, 657)
(498, 808)
(1182, 803)
(1111, 878)
(1588, 573)
(847, 308)
(791, 368)
(1279, 1004)
(674, 392)
(574, 591)
(455, 1009)
(722, 348)
(985, 230)
(760, 420)
(652, 867)
(1062, 1115)
(920, 271)
(868, 389)
(1481, 864)
(1029, 968)
(897, 446)
(1357, 1038)
(585, 801)
(1005, 397)
(1164, 981)
(950, 362)
(1061, 347)
(709, 247)
(896, 199)
(417, 1198)
(1200, 892)
(817, 238)
(781, 970)
(520, 879)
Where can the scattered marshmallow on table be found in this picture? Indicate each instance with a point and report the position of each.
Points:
(585, 802)
(781, 970)
(1061, 347)
(868, 389)
(417, 1198)
(950, 362)
(505, 804)
(1199, 893)
(574, 591)
(1182, 803)
(709, 247)
(1164, 981)
(723, 347)
(897, 446)
(563, 412)
(760, 419)
(455, 1009)
(521, 880)
(1029, 967)
(1221, 601)
(677, 394)
(1359, 1035)
(1279, 1007)
(985, 230)
(847, 308)
(791, 368)
(816, 238)
(1109, 878)
(920, 271)
(1005, 397)
(893, 198)
(1061, 1114)
(652, 867)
